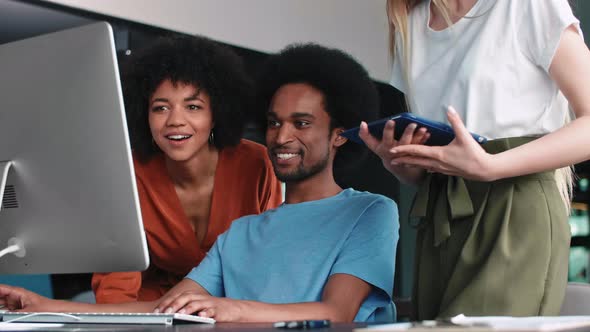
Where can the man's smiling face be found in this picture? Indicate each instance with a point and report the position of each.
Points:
(298, 135)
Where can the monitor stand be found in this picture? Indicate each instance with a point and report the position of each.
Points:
(4, 168)
(15, 245)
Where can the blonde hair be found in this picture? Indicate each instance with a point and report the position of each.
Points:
(565, 176)
(397, 14)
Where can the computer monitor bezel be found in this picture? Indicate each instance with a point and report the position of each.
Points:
(63, 128)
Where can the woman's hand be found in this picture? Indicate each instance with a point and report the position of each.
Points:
(220, 308)
(20, 299)
(463, 157)
(383, 148)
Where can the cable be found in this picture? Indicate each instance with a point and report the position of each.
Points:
(10, 249)
(59, 314)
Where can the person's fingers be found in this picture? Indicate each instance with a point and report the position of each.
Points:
(415, 150)
(164, 303)
(12, 297)
(173, 304)
(425, 138)
(425, 163)
(389, 133)
(431, 165)
(408, 134)
(14, 302)
(461, 133)
(418, 137)
(196, 306)
(209, 312)
(370, 141)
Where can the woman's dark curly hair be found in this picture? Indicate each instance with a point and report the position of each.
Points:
(350, 96)
(199, 61)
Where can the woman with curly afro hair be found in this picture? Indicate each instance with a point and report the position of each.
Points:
(186, 98)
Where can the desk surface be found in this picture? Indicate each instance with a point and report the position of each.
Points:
(219, 327)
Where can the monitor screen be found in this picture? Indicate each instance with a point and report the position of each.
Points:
(69, 199)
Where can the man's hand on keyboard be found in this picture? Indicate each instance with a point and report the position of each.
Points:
(19, 299)
(220, 308)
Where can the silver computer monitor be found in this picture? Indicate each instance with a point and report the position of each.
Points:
(67, 182)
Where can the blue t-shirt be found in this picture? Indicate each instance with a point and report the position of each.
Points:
(287, 254)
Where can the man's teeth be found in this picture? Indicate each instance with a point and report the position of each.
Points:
(286, 155)
(178, 137)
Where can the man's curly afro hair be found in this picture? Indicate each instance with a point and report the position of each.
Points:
(350, 96)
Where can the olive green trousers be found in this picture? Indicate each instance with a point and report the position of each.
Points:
(490, 248)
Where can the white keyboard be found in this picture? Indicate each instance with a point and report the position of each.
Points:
(101, 318)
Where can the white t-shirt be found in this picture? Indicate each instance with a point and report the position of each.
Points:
(492, 66)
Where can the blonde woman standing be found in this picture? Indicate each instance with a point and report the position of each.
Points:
(493, 237)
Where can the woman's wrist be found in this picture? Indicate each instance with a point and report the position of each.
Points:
(493, 168)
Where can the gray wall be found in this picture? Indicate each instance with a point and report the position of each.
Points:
(356, 26)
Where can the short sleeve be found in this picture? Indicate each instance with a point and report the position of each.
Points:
(398, 77)
(369, 253)
(540, 26)
(209, 272)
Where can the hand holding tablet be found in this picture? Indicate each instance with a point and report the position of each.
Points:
(440, 133)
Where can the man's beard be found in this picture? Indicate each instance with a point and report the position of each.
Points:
(302, 173)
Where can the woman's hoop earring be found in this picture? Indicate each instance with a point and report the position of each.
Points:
(211, 138)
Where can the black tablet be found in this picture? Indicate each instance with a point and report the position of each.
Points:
(440, 133)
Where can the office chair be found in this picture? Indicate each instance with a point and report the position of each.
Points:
(577, 299)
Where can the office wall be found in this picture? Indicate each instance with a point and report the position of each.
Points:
(357, 26)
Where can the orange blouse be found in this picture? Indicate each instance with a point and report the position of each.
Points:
(244, 184)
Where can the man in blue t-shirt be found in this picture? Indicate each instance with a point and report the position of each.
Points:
(326, 253)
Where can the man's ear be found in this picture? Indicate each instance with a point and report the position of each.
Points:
(339, 140)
